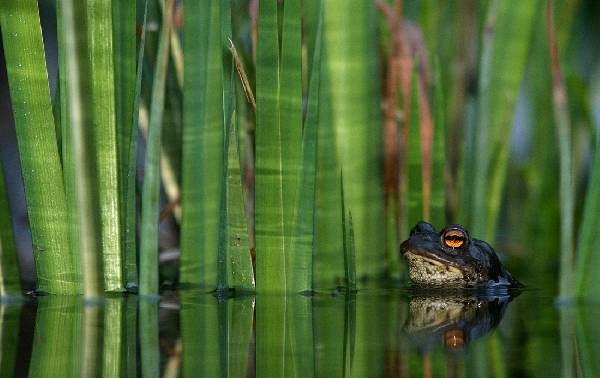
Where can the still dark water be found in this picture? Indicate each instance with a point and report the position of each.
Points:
(378, 333)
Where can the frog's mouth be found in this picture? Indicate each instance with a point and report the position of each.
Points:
(433, 271)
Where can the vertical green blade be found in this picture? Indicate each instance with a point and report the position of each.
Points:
(9, 338)
(290, 121)
(126, 94)
(238, 252)
(102, 71)
(329, 328)
(269, 221)
(504, 53)
(588, 249)
(38, 151)
(300, 273)
(114, 337)
(415, 160)
(352, 63)
(242, 311)
(10, 284)
(438, 159)
(149, 339)
(195, 42)
(57, 341)
(66, 148)
(328, 263)
(224, 266)
(200, 336)
(271, 335)
(82, 194)
(151, 187)
(202, 143)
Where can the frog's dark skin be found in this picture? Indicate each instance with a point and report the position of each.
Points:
(450, 258)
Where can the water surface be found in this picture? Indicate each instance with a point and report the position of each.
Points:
(374, 333)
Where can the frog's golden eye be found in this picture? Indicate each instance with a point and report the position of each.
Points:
(454, 238)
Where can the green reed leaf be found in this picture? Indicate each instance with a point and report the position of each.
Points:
(269, 215)
(438, 158)
(149, 338)
(351, 60)
(271, 330)
(328, 263)
(414, 157)
(151, 187)
(103, 112)
(504, 53)
(10, 284)
(126, 94)
(588, 246)
(113, 339)
(56, 264)
(238, 249)
(202, 143)
(290, 117)
(58, 337)
(10, 319)
(300, 258)
(200, 335)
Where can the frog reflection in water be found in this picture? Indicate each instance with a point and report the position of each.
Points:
(450, 258)
(454, 319)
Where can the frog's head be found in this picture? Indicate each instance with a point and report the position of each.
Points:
(450, 257)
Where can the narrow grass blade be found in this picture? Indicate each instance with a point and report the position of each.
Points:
(9, 338)
(102, 71)
(151, 186)
(126, 96)
(370, 329)
(170, 162)
(415, 162)
(224, 268)
(131, 337)
(114, 342)
(238, 249)
(299, 348)
(242, 313)
(90, 340)
(349, 335)
(504, 54)
(10, 284)
(438, 158)
(200, 336)
(329, 327)
(58, 337)
(38, 151)
(348, 242)
(271, 333)
(82, 194)
(300, 273)
(202, 143)
(328, 262)
(586, 333)
(354, 91)
(290, 118)
(588, 246)
(564, 138)
(66, 141)
(269, 221)
(195, 46)
(149, 340)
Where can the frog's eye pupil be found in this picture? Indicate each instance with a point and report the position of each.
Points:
(454, 239)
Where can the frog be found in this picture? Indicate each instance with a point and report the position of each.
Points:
(451, 258)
